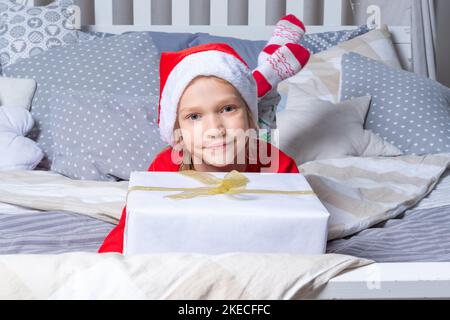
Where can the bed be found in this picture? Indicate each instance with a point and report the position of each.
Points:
(414, 239)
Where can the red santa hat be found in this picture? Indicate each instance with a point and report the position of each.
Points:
(178, 69)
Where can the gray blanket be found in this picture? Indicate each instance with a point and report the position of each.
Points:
(417, 235)
(51, 233)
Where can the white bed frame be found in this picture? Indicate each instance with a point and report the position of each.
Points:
(376, 281)
(138, 15)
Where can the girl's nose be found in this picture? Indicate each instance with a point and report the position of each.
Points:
(214, 127)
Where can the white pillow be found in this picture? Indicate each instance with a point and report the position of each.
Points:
(323, 130)
(320, 79)
(17, 151)
(17, 92)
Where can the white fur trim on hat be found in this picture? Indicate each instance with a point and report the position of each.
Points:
(207, 63)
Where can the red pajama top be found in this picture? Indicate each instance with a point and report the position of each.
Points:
(163, 163)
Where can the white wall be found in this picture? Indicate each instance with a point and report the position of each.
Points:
(443, 41)
(394, 12)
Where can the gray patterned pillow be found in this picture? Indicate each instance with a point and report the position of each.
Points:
(409, 111)
(124, 64)
(103, 136)
(318, 42)
(26, 31)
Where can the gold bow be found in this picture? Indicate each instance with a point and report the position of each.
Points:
(233, 183)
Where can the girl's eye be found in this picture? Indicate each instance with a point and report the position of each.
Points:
(228, 109)
(193, 116)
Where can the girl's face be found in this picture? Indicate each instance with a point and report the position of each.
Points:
(213, 119)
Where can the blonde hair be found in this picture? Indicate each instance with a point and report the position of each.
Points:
(178, 138)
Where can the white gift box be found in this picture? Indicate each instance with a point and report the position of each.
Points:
(216, 224)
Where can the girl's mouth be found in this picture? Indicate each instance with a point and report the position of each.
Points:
(219, 145)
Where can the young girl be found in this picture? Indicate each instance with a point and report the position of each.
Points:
(208, 109)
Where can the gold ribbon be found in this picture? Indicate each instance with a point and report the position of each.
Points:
(233, 183)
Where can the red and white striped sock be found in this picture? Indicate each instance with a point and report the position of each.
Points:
(289, 29)
(283, 63)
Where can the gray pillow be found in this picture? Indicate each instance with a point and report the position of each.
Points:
(26, 31)
(171, 41)
(408, 110)
(249, 49)
(164, 41)
(124, 64)
(103, 136)
(92, 35)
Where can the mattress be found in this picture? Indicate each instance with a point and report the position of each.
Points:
(421, 233)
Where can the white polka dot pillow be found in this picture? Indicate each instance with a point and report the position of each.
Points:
(103, 136)
(17, 92)
(124, 64)
(18, 152)
(26, 31)
(410, 111)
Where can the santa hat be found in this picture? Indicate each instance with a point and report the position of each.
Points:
(178, 69)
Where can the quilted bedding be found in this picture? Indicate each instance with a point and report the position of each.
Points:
(359, 193)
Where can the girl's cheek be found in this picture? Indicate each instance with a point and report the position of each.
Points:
(197, 134)
(238, 119)
(192, 137)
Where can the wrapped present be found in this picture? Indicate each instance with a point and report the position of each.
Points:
(215, 213)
